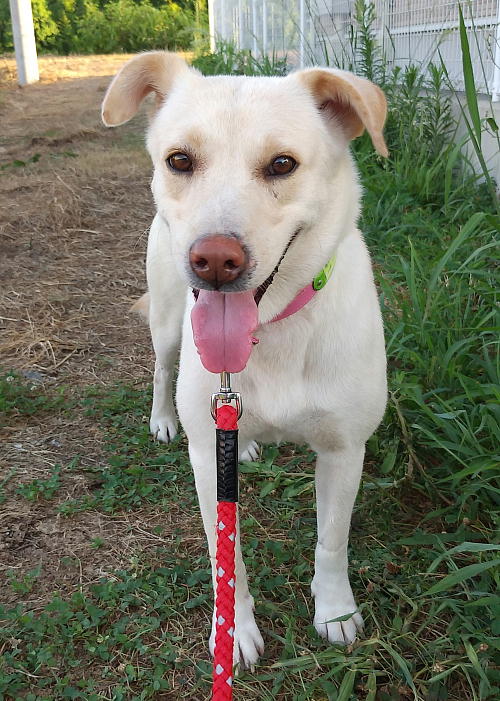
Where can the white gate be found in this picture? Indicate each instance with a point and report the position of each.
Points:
(411, 31)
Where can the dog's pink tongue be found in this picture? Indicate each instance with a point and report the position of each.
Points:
(223, 325)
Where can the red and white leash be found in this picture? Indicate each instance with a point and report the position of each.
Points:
(226, 417)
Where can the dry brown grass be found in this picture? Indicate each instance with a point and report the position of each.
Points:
(72, 236)
(56, 68)
(72, 243)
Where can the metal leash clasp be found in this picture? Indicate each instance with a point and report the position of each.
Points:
(225, 395)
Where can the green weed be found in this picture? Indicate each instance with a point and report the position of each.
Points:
(227, 60)
(126, 624)
(137, 470)
(19, 163)
(19, 397)
(24, 584)
(42, 488)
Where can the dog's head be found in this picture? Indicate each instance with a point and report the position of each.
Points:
(250, 173)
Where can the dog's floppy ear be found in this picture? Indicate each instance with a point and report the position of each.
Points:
(355, 103)
(154, 71)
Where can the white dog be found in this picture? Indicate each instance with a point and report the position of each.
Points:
(256, 193)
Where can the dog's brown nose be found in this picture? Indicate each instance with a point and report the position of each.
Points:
(218, 259)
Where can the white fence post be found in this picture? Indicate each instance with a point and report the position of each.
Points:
(264, 28)
(211, 24)
(254, 27)
(24, 41)
(241, 26)
(495, 88)
(302, 29)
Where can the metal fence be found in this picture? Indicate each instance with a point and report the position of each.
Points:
(410, 31)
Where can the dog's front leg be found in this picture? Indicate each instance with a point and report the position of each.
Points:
(166, 323)
(168, 294)
(248, 643)
(337, 481)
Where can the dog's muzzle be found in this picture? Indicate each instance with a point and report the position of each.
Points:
(218, 259)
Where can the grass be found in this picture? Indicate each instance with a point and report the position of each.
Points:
(21, 397)
(228, 60)
(424, 544)
(423, 570)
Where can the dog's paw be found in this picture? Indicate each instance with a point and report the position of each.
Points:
(163, 428)
(335, 631)
(248, 645)
(248, 642)
(251, 452)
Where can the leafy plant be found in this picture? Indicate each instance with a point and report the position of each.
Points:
(42, 488)
(19, 397)
(227, 60)
(19, 163)
(108, 26)
(25, 583)
(368, 57)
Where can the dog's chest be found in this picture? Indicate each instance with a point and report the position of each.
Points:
(284, 401)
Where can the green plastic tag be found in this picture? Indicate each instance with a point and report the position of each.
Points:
(322, 277)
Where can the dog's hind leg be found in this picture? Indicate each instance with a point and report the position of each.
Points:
(337, 480)
(248, 643)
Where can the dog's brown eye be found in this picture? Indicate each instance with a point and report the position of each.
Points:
(181, 162)
(283, 165)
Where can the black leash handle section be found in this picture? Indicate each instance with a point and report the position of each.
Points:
(227, 465)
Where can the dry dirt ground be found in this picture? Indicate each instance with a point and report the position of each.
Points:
(73, 230)
(75, 207)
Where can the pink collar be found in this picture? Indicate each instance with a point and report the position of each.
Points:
(308, 292)
(300, 300)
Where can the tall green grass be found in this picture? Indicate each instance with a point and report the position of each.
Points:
(432, 223)
(228, 60)
(471, 114)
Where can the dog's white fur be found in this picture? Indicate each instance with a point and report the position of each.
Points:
(317, 377)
